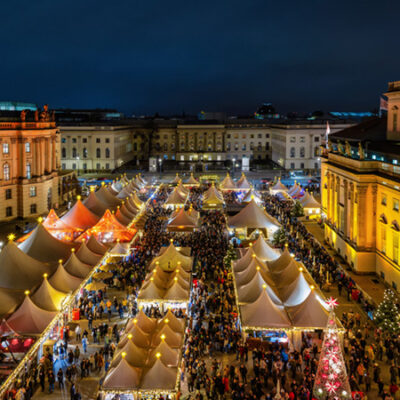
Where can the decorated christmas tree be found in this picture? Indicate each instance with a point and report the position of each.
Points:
(279, 237)
(331, 382)
(387, 314)
(297, 210)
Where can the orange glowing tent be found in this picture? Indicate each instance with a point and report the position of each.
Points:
(109, 230)
(79, 216)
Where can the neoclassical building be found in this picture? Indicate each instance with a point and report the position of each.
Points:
(360, 188)
(30, 160)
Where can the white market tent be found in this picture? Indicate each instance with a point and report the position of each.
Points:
(170, 258)
(119, 249)
(95, 246)
(43, 246)
(176, 180)
(264, 251)
(311, 206)
(182, 222)
(278, 187)
(87, 256)
(95, 205)
(76, 267)
(63, 281)
(105, 196)
(175, 199)
(253, 217)
(192, 181)
(122, 377)
(227, 183)
(250, 195)
(47, 297)
(243, 183)
(213, 198)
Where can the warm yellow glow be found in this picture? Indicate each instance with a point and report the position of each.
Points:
(166, 320)
(264, 286)
(40, 220)
(123, 354)
(130, 336)
(45, 275)
(312, 287)
(27, 292)
(11, 237)
(135, 321)
(78, 197)
(162, 337)
(158, 355)
(60, 261)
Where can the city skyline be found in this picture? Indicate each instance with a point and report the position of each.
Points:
(178, 57)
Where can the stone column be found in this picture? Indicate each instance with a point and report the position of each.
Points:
(47, 155)
(56, 165)
(345, 209)
(23, 158)
(362, 215)
(14, 167)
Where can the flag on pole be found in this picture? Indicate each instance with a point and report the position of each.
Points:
(383, 105)
(328, 131)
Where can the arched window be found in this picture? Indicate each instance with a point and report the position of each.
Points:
(63, 152)
(98, 153)
(302, 152)
(28, 170)
(292, 152)
(85, 153)
(74, 154)
(165, 146)
(107, 152)
(316, 151)
(6, 148)
(6, 172)
(27, 147)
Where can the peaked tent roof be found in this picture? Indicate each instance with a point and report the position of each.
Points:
(29, 318)
(45, 247)
(107, 198)
(310, 202)
(253, 216)
(244, 277)
(311, 313)
(242, 263)
(294, 188)
(47, 297)
(18, 270)
(280, 263)
(286, 276)
(264, 251)
(63, 281)
(243, 183)
(176, 197)
(169, 356)
(123, 219)
(135, 355)
(146, 323)
(181, 189)
(170, 258)
(127, 212)
(176, 179)
(87, 256)
(250, 292)
(129, 206)
(109, 229)
(192, 181)
(278, 187)
(182, 219)
(136, 201)
(151, 292)
(76, 267)
(175, 323)
(177, 293)
(251, 194)
(213, 196)
(9, 300)
(295, 293)
(125, 192)
(119, 249)
(95, 205)
(263, 313)
(173, 339)
(159, 376)
(139, 337)
(80, 217)
(227, 183)
(123, 377)
(117, 185)
(95, 246)
(55, 225)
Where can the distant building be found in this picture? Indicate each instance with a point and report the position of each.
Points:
(360, 184)
(17, 106)
(29, 161)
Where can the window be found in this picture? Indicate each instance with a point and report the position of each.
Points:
(252, 136)
(228, 147)
(73, 140)
(292, 165)
(28, 170)
(302, 139)
(84, 140)
(73, 166)
(316, 138)
(243, 136)
(292, 139)
(84, 152)
(228, 136)
(302, 165)
(259, 136)
(236, 146)
(316, 151)
(97, 140)
(244, 147)
(267, 135)
(27, 147)
(63, 152)
(6, 148)
(8, 211)
(251, 145)
(302, 152)
(107, 140)
(107, 152)
(32, 191)
(292, 152)
(394, 121)
(33, 209)
(267, 146)
(315, 165)
(64, 166)
(98, 166)
(396, 247)
(98, 153)
(6, 172)
(74, 152)
(8, 194)
(135, 146)
(107, 166)
(383, 239)
(383, 199)
(63, 140)
(395, 204)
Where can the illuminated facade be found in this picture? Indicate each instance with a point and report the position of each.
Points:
(360, 189)
(29, 157)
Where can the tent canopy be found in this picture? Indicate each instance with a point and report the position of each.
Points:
(182, 221)
(63, 281)
(47, 297)
(251, 194)
(192, 181)
(264, 251)
(95, 205)
(278, 187)
(171, 258)
(76, 267)
(104, 195)
(227, 183)
(176, 198)
(80, 217)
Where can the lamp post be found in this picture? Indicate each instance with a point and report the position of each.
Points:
(160, 164)
(77, 159)
(233, 167)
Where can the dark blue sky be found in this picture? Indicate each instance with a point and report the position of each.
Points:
(169, 56)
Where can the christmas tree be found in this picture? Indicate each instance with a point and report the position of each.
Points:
(387, 314)
(279, 237)
(331, 382)
(297, 210)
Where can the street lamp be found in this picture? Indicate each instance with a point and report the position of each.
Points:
(233, 167)
(160, 163)
(77, 158)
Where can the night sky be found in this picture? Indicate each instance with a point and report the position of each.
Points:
(174, 56)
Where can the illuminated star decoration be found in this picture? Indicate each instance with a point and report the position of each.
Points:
(331, 387)
(332, 303)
